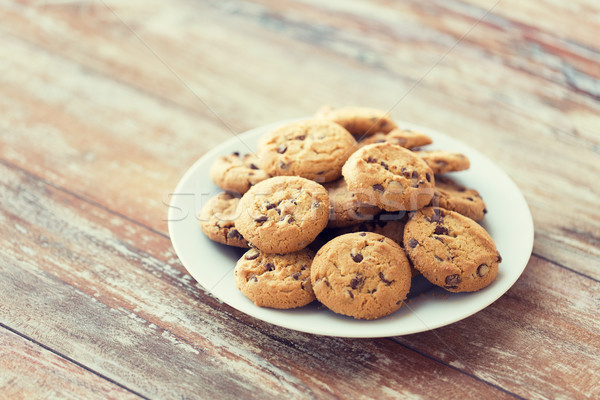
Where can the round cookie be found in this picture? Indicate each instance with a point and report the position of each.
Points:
(312, 149)
(390, 177)
(346, 210)
(363, 275)
(444, 161)
(449, 195)
(451, 250)
(402, 137)
(275, 280)
(236, 173)
(359, 121)
(217, 220)
(283, 214)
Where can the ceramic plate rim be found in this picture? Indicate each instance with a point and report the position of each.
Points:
(296, 319)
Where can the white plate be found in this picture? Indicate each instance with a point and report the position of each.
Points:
(508, 221)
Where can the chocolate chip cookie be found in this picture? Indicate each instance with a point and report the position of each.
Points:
(283, 214)
(451, 250)
(346, 210)
(452, 196)
(236, 173)
(444, 161)
(359, 121)
(363, 275)
(402, 137)
(275, 280)
(312, 149)
(390, 177)
(217, 220)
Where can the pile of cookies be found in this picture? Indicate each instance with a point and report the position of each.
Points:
(345, 208)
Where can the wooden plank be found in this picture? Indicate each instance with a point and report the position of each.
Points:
(28, 371)
(545, 327)
(75, 279)
(140, 122)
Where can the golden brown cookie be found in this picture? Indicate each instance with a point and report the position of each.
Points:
(449, 195)
(283, 214)
(389, 177)
(217, 220)
(402, 137)
(236, 173)
(346, 210)
(359, 121)
(363, 275)
(312, 149)
(444, 161)
(451, 250)
(275, 280)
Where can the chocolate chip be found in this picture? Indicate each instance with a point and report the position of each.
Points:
(428, 177)
(483, 270)
(499, 258)
(412, 243)
(485, 211)
(262, 218)
(252, 255)
(384, 165)
(355, 282)
(302, 285)
(437, 258)
(327, 283)
(382, 277)
(253, 278)
(453, 279)
(296, 275)
(283, 165)
(234, 234)
(291, 219)
(439, 238)
(440, 230)
(350, 293)
(415, 175)
(236, 153)
(301, 137)
(406, 174)
(470, 199)
(302, 268)
(371, 160)
(362, 234)
(282, 148)
(373, 291)
(271, 206)
(252, 166)
(270, 267)
(278, 211)
(357, 258)
(379, 188)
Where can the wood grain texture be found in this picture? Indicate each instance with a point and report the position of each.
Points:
(140, 320)
(32, 372)
(105, 105)
(511, 85)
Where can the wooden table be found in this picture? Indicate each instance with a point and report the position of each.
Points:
(104, 105)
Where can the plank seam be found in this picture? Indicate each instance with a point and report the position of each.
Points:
(516, 396)
(72, 361)
(564, 267)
